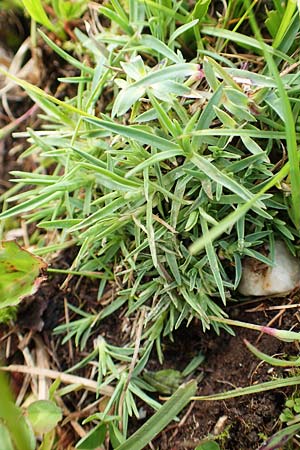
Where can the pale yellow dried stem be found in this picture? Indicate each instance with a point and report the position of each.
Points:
(83, 383)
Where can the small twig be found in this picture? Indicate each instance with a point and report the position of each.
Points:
(76, 426)
(183, 420)
(272, 321)
(42, 360)
(23, 390)
(83, 383)
(84, 412)
(272, 308)
(23, 346)
(289, 69)
(16, 122)
(67, 324)
(164, 223)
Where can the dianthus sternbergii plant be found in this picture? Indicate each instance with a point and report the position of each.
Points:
(166, 145)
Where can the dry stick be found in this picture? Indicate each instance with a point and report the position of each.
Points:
(133, 361)
(182, 421)
(12, 125)
(75, 425)
(23, 346)
(84, 412)
(42, 360)
(272, 321)
(23, 390)
(65, 378)
(273, 308)
(67, 323)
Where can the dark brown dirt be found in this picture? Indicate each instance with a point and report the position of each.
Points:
(228, 365)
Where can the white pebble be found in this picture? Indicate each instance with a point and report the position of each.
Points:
(260, 280)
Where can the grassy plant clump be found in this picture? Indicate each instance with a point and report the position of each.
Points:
(183, 128)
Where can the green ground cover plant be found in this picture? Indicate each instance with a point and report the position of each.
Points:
(176, 158)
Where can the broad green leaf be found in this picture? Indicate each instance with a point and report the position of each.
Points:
(94, 438)
(43, 415)
(209, 445)
(5, 440)
(273, 21)
(36, 11)
(155, 44)
(19, 430)
(200, 9)
(164, 381)
(129, 95)
(19, 272)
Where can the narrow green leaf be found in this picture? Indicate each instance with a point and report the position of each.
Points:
(241, 210)
(112, 180)
(167, 73)
(285, 22)
(255, 389)
(279, 439)
(161, 418)
(222, 178)
(60, 223)
(290, 128)
(133, 132)
(251, 132)
(245, 40)
(115, 17)
(70, 59)
(172, 262)
(182, 29)
(270, 359)
(29, 204)
(153, 160)
(213, 260)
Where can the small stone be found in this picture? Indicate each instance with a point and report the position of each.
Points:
(262, 280)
